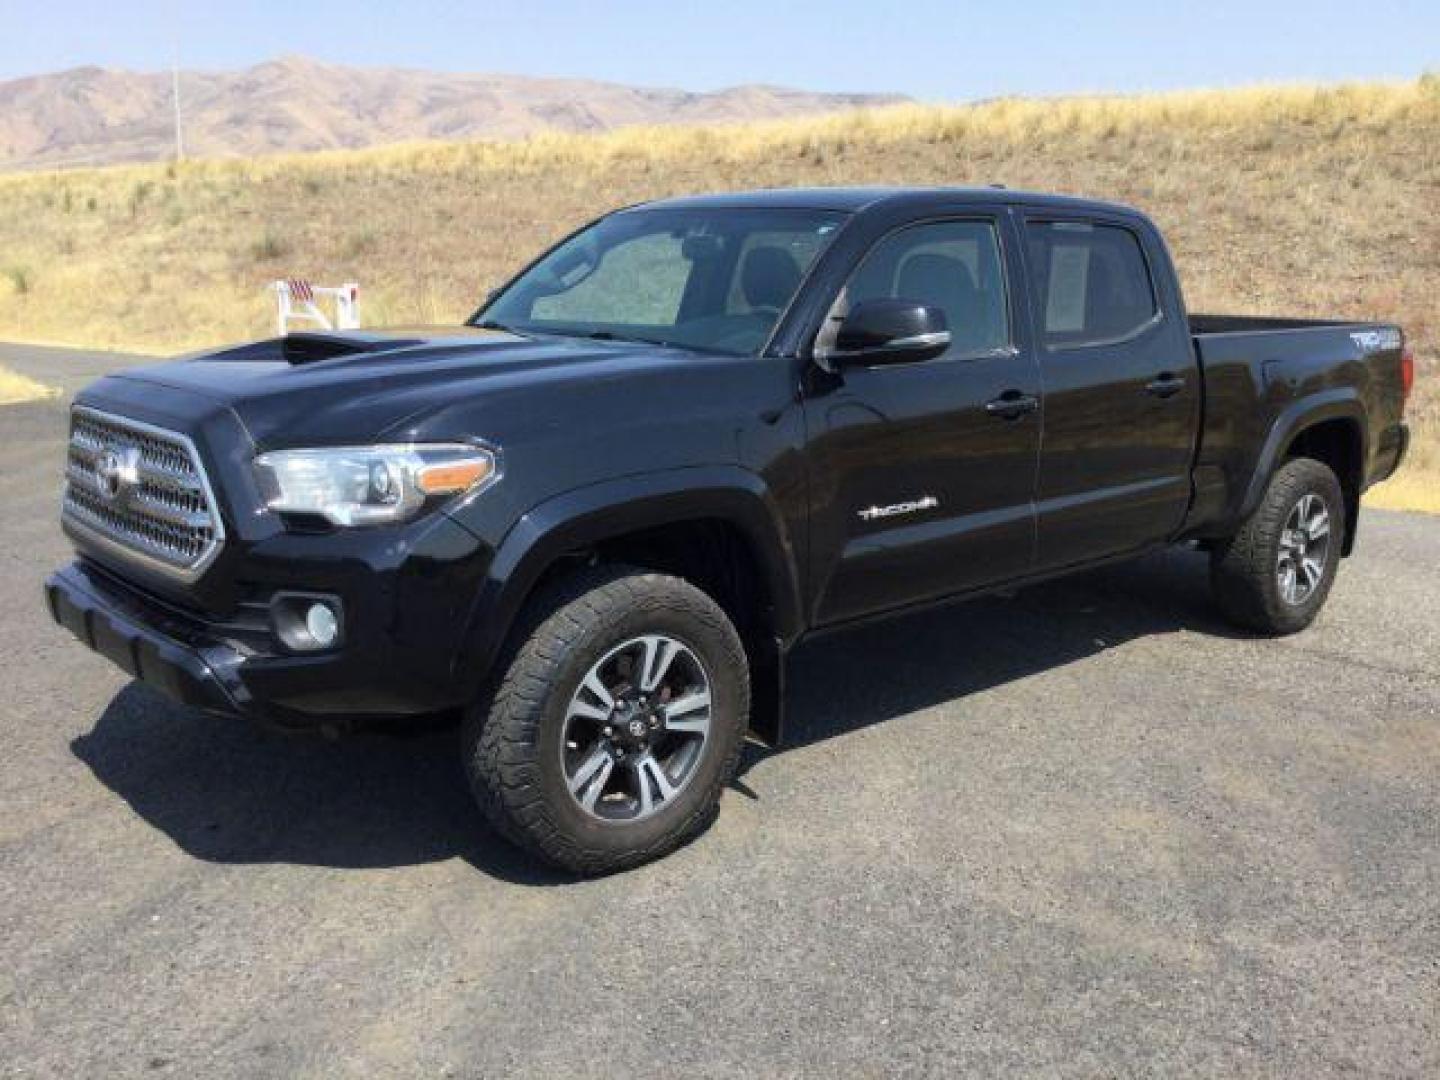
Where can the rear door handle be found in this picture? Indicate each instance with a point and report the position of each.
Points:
(1012, 405)
(1165, 386)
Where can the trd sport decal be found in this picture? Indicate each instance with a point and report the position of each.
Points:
(1376, 340)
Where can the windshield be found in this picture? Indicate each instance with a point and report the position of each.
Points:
(714, 280)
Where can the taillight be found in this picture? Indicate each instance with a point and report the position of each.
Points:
(1407, 372)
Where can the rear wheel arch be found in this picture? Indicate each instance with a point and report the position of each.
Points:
(1338, 443)
(1329, 427)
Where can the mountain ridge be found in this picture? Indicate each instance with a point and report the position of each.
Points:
(95, 115)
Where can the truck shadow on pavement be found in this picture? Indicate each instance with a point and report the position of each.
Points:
(862, 676)
(228, 792)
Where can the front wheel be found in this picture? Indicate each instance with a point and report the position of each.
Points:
(1275, 573)
(617, 724)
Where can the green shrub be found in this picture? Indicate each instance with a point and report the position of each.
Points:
(20, 279)
(270, 247)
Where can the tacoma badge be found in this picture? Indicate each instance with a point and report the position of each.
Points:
(925, 502)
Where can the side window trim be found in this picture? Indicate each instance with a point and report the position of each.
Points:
(995, 221)
(1157, 317)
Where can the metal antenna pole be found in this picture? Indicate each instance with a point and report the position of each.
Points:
(175, 94)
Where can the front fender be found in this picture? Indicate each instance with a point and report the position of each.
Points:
(586, 516)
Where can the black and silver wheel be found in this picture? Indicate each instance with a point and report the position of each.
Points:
(617, 724)
(636, 728)
(1275, 573)
(1304, 550)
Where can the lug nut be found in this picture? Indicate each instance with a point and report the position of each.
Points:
(609, 731)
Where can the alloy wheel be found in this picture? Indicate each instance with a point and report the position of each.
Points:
(636, 728)
(1304, 548)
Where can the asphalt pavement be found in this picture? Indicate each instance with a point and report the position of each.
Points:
(1085, 830)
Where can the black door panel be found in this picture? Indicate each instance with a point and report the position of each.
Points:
(919, 487)
(919, 490)
(1121, 394)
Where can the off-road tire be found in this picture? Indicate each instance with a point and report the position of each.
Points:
(511, 738)
(1243, 569)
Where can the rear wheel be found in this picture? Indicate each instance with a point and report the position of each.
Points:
(1276, 572)
(618, 722)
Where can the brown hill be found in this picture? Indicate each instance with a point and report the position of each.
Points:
(93, 115)
(1303, 200)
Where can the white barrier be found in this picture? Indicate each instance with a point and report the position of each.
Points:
(299, 300)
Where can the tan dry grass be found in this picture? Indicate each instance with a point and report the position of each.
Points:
(1295, 200)
(1415, 487)
(16, 388)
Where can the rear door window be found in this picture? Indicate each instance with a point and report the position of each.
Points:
(1092, 283)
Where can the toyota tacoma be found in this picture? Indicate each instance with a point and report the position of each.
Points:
(594, 519)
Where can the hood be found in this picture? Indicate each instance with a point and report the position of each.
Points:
(364, 386)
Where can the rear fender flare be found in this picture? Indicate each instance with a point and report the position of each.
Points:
(1341, 403)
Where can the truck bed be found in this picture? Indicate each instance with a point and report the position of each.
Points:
(1250, 324)
(1257, 370)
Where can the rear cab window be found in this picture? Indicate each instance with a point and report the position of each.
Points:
(1092, 283)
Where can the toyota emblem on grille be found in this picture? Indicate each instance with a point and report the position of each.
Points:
(117, 473)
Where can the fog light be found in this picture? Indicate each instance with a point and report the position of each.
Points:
(307, 622)
(322, 625)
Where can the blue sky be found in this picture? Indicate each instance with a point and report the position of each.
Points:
(930, 49)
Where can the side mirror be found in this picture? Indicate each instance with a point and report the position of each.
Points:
(890, 332)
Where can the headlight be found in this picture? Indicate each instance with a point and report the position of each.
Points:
(370, 485)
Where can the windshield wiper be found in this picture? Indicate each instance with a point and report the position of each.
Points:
(491, 324)
(591, 335)
(611, 335)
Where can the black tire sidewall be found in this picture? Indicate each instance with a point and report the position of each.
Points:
(1321, 482)
(1246, 571)
(513, 736)
(727, 696)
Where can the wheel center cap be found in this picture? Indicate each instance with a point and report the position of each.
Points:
(636, 727)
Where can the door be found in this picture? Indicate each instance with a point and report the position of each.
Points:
(922, 473)
(1122, 390)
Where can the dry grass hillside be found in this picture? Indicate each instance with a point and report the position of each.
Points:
(1300, 200)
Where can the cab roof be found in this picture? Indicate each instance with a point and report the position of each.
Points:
(855, 199)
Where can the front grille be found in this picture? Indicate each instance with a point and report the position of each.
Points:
(141, 490)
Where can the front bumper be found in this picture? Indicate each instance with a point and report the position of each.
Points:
(234, 665)
(165, 653)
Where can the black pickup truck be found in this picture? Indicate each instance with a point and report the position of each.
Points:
(595, 518)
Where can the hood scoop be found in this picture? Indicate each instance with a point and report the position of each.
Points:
(311, 348)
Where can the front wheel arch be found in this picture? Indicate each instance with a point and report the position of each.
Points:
(566, 532)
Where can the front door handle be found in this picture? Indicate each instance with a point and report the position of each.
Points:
(1012, 404)
(1167, 385)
